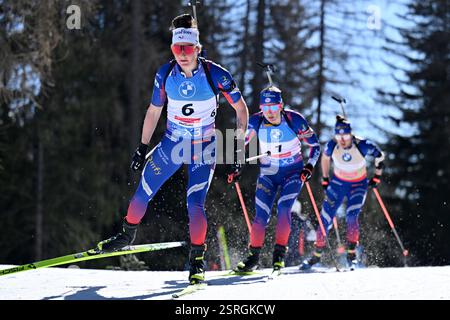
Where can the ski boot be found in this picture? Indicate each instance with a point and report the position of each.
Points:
(122, 239)
(352, 261)
(249, 264)
(278, 260)
(278, 257)
(197, 264)
(315, 258)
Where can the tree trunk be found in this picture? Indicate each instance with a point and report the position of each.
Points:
(258, 82)
(135, 77)
(321, 84)
(244, 55)
(39, 156)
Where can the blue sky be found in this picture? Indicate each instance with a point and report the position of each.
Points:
(362, 107)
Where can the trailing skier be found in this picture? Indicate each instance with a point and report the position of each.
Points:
(349, 180)
(281, 132)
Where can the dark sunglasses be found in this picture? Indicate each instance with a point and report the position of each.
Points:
(178, 49)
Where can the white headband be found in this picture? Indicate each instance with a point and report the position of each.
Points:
(189, 35)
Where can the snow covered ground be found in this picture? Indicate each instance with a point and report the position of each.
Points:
(364, 284)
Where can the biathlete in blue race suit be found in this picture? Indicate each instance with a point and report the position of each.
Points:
(349, 180)
(280, 132)
(191, 95)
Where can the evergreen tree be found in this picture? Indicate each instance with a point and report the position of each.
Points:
(420, 161)
(288, 34)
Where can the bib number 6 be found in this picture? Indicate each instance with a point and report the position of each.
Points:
(187, 109)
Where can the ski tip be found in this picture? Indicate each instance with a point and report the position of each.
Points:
(189, 289)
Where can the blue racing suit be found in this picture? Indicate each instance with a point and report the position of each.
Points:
(189, 139)
(349, 181)
(280, 170)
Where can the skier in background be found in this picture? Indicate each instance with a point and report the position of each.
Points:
(190, 85)
(280, 132)
(349, 180)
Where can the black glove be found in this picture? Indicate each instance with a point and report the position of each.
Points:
(234, 172)
(376, 179)
(325, 183)
(139, 157)
(306, 173)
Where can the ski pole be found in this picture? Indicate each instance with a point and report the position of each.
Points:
(322, 228)
(258, 156)
(388, 218)
(149, 153)
(232, 177)
(341, 248)
(316, 210)
(241, 200)
(244, 209)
